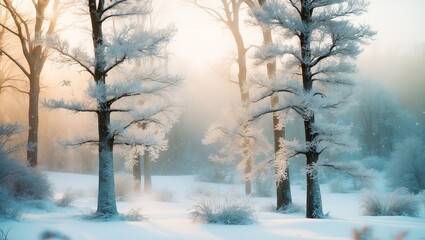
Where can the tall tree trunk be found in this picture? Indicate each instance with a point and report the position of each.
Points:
(147, 175)
(242, 80)
(106, 202)
(32, 147)
(314, 198)
(106, 205)
(283, 185)
(137, 175)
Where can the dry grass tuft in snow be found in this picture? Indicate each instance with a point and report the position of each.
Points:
(134, 215)
(397, 203)
(229, 211)
(165, 195)
(66, 199)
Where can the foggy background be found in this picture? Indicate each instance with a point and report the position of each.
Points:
(203, 53)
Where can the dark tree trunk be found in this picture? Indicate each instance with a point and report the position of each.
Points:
(147, 176)
(106, 202)
(32, 147)
(106, 205)
(314, 198)
(283, 185)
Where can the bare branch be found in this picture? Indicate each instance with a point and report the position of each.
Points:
(15, 61)
(14, 88)
(212, 12)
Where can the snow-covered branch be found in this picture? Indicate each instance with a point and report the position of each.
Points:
(75, 55)
(125, 8)
(74, 106)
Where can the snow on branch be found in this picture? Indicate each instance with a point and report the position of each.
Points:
(333, 138)
(74, 105)
(275, 14)
(345, 40)
(263, 87)
(77, 56)
(7, 131)
(239, 140)
(148, 139)
(163, 116)
(332, 9)
(352, 168)
(128, 44)
(269, 52)
(125, 8)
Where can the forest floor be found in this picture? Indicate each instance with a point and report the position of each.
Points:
(167, 211)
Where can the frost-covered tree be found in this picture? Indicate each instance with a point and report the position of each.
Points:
(380, 120)
(131, 104)
(317, 60)
(283, 184)
(230, 16)
(234, 134)
(405, 169)
(26, 33)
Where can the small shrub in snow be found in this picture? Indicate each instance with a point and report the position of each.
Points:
(203, 191)
(66, 199)
(134, 215)
(24, 183)
(230, 211)
(216, 173)
(165, 195)
(9, 209)
(406, 167)
(397, 203)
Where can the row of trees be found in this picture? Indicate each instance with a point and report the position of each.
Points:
(317, 44)
(134, 110)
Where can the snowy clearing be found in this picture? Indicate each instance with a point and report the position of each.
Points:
(170, 220)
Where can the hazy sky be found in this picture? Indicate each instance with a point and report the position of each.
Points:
(206, 48)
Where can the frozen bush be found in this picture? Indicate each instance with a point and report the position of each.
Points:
(22, 182)
(397, 203)
(9, 209)
(165, 195)
(216, 173)
(66, 199)
(134, 215)
(406, 167)
(230, 211)
(203, 191)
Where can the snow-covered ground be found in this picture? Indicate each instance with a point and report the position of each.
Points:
(170, 220)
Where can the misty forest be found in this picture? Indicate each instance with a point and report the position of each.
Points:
(212, 119)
